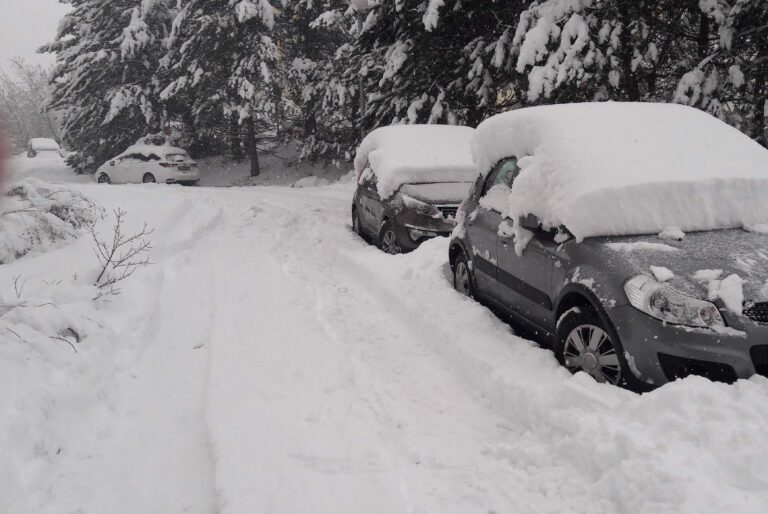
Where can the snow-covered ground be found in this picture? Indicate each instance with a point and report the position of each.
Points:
(270, 361)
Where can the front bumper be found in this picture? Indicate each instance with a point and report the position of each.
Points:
(658, 353)
(405, 235)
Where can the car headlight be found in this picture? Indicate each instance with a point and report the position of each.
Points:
(420, 207)
(417, 233)
(667, 304)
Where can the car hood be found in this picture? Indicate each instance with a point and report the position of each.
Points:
(733, 251)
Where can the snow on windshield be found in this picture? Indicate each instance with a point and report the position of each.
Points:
(620, 169)
(404, 154)
(453, 192)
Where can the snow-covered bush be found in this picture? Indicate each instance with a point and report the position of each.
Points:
(35, 216)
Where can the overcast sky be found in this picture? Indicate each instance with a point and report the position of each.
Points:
(25, 25)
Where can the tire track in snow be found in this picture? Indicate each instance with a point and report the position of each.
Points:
(595, 447)
(388, 342)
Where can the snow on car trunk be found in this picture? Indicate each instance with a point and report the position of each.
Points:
(620, 168)
(404, 154)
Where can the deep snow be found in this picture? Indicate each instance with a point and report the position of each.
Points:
(270, 361)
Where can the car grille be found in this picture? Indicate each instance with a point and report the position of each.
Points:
(448, 211)
(759, 356)
(757, 312)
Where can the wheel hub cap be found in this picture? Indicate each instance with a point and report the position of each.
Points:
(590, 362)
(588, 348)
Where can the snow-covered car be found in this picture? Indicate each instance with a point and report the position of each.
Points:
(632, 238)
(150, 164)
(43, 147)
(410, 182)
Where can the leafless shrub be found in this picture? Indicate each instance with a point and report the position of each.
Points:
(120, 257)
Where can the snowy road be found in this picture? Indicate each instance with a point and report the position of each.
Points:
(280, 365)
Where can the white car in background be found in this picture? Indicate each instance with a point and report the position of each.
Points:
(150, 164)
(43, 147)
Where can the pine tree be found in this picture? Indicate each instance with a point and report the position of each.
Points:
(583, 50)
(419, 62)
(224, 60)
(311, 33)
(104, 81)
(730, 79)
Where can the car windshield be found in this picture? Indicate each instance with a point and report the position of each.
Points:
(438, 191)
(177, 157)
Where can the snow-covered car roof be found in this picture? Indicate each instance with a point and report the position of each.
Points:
(147, 150)
(43, 144)
(402, 154)
(614, 168)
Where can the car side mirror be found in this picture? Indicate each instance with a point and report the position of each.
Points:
(530, 222)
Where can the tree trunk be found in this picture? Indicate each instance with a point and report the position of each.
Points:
(760, 96)
(629, 79)
(702, 39)
(253, 150)
(235, 142)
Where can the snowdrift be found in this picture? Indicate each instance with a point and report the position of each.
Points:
(36, 216)
(402, 154)
(605, 169)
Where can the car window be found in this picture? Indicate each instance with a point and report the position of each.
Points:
(134, 157)
(368, 179)
(176, 157)
(504, 173)
(153, 157)
(497, 184)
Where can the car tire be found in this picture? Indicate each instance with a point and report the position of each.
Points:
(586, 343)
(31, 154)
(388, 239)
(149, 179)
(463, 281)
(104, 179)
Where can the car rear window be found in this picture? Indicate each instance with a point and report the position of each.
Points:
(177, 157)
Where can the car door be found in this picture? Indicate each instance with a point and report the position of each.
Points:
(118, 171)
(525, 280)
(125, 169)
(482, 231)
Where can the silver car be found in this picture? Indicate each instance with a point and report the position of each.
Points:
(601, 311)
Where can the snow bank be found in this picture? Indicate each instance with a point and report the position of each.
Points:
(36, 216)
(620, 168)
(404, 154)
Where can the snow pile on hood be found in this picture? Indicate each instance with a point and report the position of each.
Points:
(604, 169)
(43, 144)
(403, 154)
(147, 150)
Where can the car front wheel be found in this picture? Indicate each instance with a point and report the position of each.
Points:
(149, 179)
(388, 239)
(585, 343)
(104, 179)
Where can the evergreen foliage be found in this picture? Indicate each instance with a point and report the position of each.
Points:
(240, 75)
